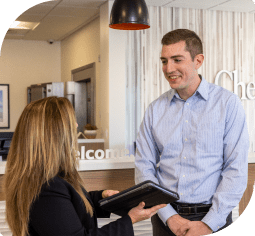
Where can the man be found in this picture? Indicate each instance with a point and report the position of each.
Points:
(193, 140)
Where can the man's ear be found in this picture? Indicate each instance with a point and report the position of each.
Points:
(198, 60)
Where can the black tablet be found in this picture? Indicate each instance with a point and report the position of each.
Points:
(149, 192)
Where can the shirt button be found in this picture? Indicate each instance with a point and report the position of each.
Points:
(183, 176)
(181, 194)
(218, 227)
(187, 103)
(185, 158)
(186, 139)
(186, 121)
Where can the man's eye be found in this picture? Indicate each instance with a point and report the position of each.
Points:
(164, 62)
(177, 60)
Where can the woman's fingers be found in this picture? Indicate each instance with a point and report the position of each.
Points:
(141, 205)
(139, 213)
(154, 210)
(108, 193)
(157, 207)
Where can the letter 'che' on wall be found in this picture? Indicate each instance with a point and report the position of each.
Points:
(246, 91)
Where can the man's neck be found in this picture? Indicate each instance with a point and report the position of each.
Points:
(188, 92)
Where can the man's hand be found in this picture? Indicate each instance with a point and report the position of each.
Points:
(175, 223)
(195, 228)
(108, 193)
(180, 227)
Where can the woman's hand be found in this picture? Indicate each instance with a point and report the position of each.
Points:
(139, 213)
(108, 193)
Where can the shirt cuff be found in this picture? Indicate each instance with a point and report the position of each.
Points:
(214, 221)
(166, 212)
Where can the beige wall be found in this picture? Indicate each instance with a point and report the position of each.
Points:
(23, 63)
(104, 71)
(36, 62)
(79, 49)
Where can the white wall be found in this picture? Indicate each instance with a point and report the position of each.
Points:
(117, 85)
(112, 50)
(23, 63)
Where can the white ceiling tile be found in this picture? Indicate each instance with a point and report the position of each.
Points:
(197, 4)
(64, 16)
(52, 2)
(38, 10)
(223, 5)
(236, 5)
(30, 18)
(16, 33)
(54, 27)
(18, 36)
(73, 11)
(83, 3)
(158, 3)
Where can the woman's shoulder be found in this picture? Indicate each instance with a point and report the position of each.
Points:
(57, 186)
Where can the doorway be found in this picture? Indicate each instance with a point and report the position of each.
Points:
(84, 100)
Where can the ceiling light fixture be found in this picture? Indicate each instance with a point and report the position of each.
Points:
(253, 1)
(24, 25)
(129, 15)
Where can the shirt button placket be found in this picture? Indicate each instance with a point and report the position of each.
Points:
(186, 132)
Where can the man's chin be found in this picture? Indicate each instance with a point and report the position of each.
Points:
(177, 86)
(174, 86)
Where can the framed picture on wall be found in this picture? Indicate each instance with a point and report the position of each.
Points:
(4, 106)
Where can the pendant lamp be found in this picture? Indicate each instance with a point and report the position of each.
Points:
(129, 15)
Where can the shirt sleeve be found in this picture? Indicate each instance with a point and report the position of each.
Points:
(146, 159)
(234, 174)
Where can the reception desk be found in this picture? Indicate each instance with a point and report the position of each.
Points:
(98, 174)
(118, 174)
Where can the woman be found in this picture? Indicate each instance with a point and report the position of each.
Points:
(44, 193)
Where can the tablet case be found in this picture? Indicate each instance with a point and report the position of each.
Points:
(149, 192)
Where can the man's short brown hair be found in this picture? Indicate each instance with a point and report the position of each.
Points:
(193, 43)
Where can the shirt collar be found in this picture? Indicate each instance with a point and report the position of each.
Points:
(202, 89)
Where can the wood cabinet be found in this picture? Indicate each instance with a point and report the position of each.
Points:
(99, 180)
(121, 179)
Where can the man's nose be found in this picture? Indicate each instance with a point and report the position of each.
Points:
(169, 67)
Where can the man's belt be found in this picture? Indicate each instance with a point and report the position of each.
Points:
(189, 209)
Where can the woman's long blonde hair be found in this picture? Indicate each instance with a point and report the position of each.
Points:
(44, 143)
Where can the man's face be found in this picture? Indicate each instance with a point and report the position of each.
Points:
(178, 67)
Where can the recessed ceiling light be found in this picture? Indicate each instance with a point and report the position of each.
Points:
(24, 25)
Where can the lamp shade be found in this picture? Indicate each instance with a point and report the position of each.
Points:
(129, 15)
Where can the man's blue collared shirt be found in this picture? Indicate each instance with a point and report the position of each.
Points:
(197, 148)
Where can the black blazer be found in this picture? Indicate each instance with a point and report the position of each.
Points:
(59, 211)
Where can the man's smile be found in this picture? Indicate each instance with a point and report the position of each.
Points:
(173, 77)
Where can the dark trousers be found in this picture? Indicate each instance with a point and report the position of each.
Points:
(160, 229)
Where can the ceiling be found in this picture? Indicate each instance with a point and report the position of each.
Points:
(60, 18)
